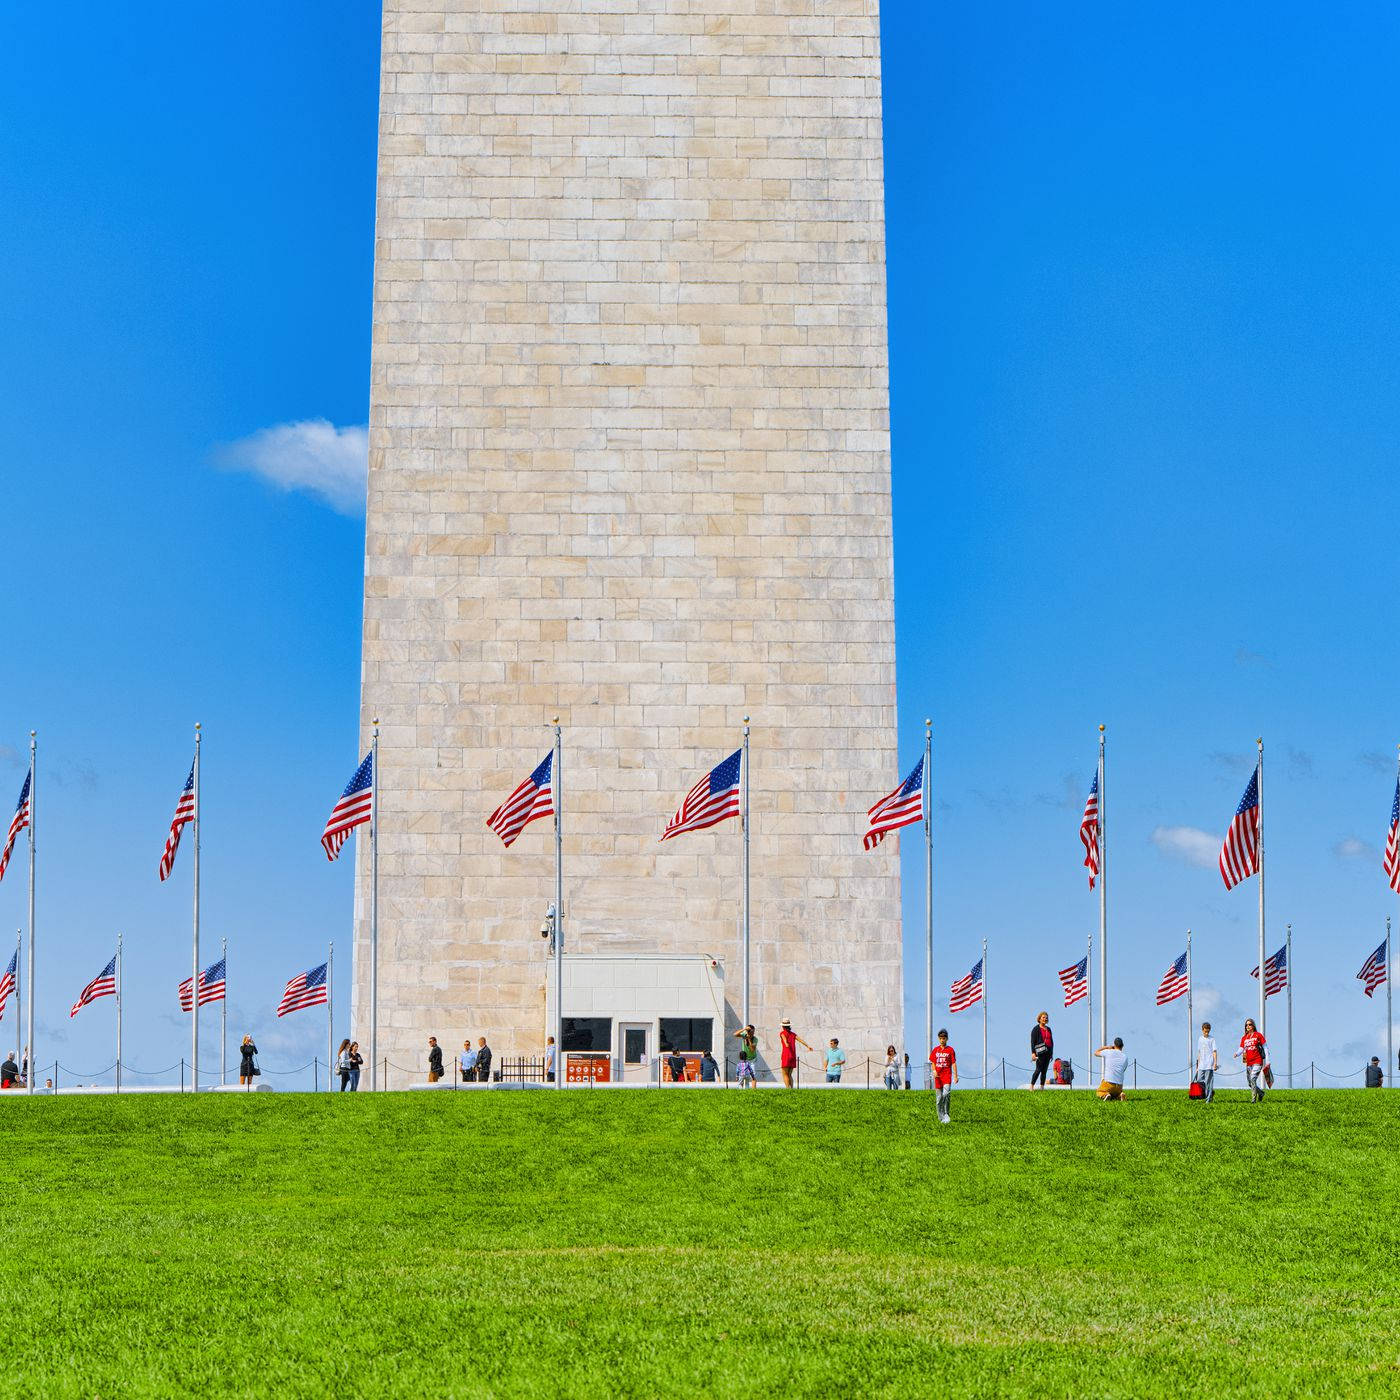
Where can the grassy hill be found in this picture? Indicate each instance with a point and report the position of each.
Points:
(687, 1243)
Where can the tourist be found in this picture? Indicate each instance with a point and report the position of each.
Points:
(356, 1060)
(9, 1072)
(247, 1065)
(709, 1069)
(1042, 1047)
(789, 1040)
(551, 1057)
(342, 1064)
(835, 1058)
(467, 1064)
(1375, 1076)
(944, 1060)
(1254, 1049)
(1115, 1064)
(24, 1066)
(908, 1072)
(483, 1061)
(748, 1057)
(1207, 1062)
(434, 1060)
(892, 1068)
(675, 1063)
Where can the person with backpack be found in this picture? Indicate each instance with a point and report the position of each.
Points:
(1207, 1062)
(1255, 1051)
(342, 1064)
(748, 1057)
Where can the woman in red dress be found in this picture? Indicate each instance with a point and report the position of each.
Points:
(789, 1040)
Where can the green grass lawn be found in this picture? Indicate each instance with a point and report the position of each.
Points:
(688, 1243)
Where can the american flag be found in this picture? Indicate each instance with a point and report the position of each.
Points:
(354, 808)
(7, 982)
(103, 985)
(305, 989)
(903, 807)
(1239, 856)
(1373, 970)
(18, 822)
(211, 986)
(1089, 831)
(1174, 983)
(966, 991)
(1075, 981)
(1392, 843)
(184, 812)
(534, 798)
(711, 800)
(1275, 972)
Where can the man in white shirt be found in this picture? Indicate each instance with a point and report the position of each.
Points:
(467, 1064)
(1207, 1060)
(1115, 1064)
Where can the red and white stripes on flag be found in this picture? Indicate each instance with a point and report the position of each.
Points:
(305, 989)
(1089, 831)
(903, 807)
(212, 983)
(533, 799)
(1239, 856)
(1392, 843)
(1075, 981)
(713, 799)
(18, 822)
(7, 982)
(1175, 982)
(966, 991)
(184, 814)
(1374, 971)
(354, 807)
(103, 985)
(1275, 972)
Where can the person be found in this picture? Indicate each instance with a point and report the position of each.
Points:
(1254, 1049)
(483, 1061)
(24, 1066)
(789, 1040)
(1115, 1064)
(908, 1072)
(342, 1064)
(434, 1060)
(835, 1061)
(1042, 1048)
(467, 1064)
(356, 1060)
(891, 1068)
(675, 1062)
(709, 1069)
(9, 1072)
(247, 1065)
(1375, 1076)
(551, 1056)
(1067, 1073)
(748, 1057)
(1207, 1061)
(944, 1060)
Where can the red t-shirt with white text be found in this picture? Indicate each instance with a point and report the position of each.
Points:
(1252, 1043)
(943, 1058)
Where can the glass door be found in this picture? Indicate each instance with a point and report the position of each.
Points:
(635, 1043)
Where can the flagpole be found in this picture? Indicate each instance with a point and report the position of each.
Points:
(33, 836)
(1103, 901)
(1288, 970)
(1389, 1019)
(194, 984)
(744, 778)
(1089, 1006)
(373, 908)
(19, 997)
(984, 1013)
(119, 1013)
(223, 1018)
(330, 1015)
(928, 878)
(558, 783)
(1190, 990)
(1259, 793)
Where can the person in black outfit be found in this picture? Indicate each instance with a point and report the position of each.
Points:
(1374, 1075)
(246, 1068)
(9, 1072)
(434, 1060)
(483, 1061)
(675, 1062)
(1042, 1048)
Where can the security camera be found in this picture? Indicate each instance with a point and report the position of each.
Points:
(545, 929)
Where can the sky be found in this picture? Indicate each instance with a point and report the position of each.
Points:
(1142, 292)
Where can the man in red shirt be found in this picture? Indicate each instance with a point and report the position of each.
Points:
(1252, 1047)
(944, 1060)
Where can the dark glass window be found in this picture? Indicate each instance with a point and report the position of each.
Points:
(695, 1033)
(588, 1033)
(634, 1045)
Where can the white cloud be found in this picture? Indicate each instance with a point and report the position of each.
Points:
(1189, 844)
(313, 456)
(1354, 848)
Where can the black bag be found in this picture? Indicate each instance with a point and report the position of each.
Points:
(256, 1070)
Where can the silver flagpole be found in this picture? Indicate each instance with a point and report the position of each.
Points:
(19, 999)
(928, 879)
(330, 1015)
(1190, 990)
(194, 984)
(223, 1018)
(119, 1013)
(1103, 900)
(1288, 969)
(558, 777)
(984, 1013)
(1389, 1019)
(33, 815)
(373, 909)
(1089, 1007)
(1259, 794)
(744, 782)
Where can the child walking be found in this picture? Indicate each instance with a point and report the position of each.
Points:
(944, 1060)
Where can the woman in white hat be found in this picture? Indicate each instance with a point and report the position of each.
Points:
(790, 1040)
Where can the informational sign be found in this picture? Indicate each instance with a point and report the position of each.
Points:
(582, 1067)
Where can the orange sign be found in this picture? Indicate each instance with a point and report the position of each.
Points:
(584, 1068)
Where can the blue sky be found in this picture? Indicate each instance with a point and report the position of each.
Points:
(1142, 291)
